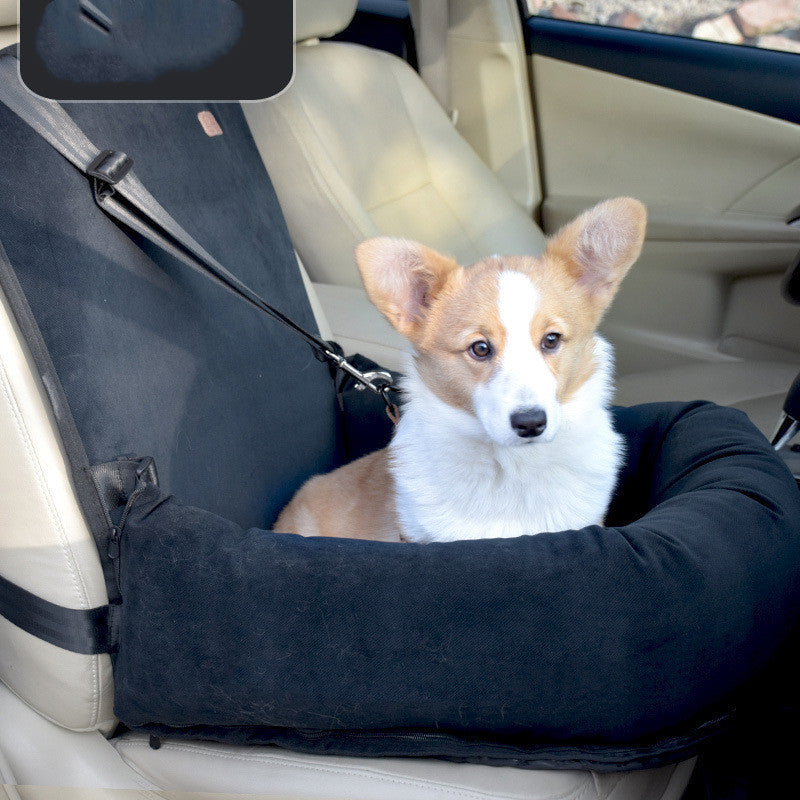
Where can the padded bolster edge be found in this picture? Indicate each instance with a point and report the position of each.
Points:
(601, 635)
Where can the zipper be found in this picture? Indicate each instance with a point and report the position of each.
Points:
(115, 538)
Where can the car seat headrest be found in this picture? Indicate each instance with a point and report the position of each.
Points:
(318, 20)
(8, 13)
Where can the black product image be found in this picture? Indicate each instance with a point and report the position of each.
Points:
(150, 49)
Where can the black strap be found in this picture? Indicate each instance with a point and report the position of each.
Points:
(86, 631)
(124, 197)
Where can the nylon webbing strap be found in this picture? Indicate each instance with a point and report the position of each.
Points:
(124, 197)
(79, 630)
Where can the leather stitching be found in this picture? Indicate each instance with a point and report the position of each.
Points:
(426, 159)
(319, 178)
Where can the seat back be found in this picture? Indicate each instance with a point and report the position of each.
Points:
(358, 145)
(45, 546)
(149, 357)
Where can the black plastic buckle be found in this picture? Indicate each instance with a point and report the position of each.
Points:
(108, 169)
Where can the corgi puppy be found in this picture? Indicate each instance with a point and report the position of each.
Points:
(505, 427)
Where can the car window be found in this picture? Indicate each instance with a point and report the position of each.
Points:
(771, 24)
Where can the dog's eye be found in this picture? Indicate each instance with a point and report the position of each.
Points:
(480, 350)
(551, 341)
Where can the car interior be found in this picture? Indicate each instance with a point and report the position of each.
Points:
(524, 123)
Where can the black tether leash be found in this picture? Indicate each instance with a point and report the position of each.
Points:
(124, 197)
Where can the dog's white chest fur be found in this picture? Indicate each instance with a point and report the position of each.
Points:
(452, 483)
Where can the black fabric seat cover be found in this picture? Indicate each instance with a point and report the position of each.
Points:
(155, 359)
(134, 40)
(626, 636)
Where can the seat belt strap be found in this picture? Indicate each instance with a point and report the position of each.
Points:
(88, 631)
(124, 197)
(430, 20)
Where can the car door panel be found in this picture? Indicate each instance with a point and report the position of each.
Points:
(720, 182)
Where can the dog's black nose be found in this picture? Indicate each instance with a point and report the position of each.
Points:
(530, 422)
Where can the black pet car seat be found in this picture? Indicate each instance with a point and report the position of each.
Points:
(605, 648)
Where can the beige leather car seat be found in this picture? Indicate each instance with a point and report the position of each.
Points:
(9, 28)
(357, 147)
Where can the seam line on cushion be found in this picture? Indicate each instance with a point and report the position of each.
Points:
(38, 474)
(316, 171)
(400, 196)
(427, 161)
(55, 519)
(364, 339)
(153, 790)
(572, 794)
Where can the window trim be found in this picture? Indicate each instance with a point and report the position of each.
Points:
(752, 78)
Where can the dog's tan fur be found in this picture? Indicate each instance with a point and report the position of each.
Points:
(355, 501)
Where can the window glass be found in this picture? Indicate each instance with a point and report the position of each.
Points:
(773, 24)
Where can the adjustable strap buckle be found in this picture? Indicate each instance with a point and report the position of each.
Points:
(107, 170)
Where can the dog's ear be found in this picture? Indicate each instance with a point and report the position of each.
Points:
(601, 245)
(402, 278)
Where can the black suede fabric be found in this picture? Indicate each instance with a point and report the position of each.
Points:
(155, 359)
(627, 636)
(134, 40)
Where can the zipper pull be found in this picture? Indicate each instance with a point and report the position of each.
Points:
(113, 543)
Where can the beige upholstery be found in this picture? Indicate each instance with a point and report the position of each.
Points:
(45, 547)
(489, 92)
(189, 766)
(756, 387)
(42, 753)
(358, 147)
(316, 20)
(9, 30)
(747, 322)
